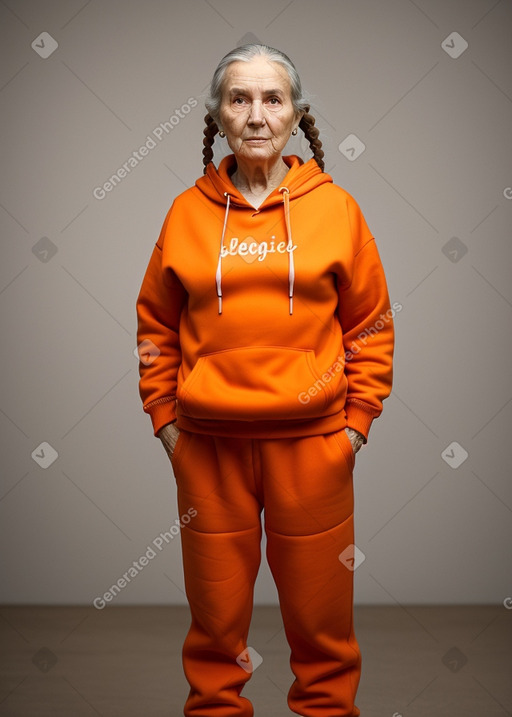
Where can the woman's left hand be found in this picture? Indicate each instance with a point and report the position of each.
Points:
(168, 434)
(355, 438)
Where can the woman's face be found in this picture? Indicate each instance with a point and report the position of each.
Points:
(256, 102)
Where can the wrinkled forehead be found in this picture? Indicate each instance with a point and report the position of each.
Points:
(259, 75)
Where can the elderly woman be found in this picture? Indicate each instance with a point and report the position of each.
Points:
(265, 340)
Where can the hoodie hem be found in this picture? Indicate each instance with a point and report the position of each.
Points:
(265, 428)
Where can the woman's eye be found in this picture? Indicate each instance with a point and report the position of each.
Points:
(274, 101)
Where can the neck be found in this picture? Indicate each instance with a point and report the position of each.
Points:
(256, 178)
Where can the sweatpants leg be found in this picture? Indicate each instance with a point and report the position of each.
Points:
(305, 485)
(309, 521)
(221, 557)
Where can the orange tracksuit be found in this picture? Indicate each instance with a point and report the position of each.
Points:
(264, 333)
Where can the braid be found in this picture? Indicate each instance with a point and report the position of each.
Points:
(307, 125)
(209, 132)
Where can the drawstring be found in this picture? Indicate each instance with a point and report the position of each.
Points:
(218, 276)
(291, 265)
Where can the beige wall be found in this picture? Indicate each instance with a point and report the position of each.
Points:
(437, 165)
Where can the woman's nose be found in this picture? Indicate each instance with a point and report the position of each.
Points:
(256, 115)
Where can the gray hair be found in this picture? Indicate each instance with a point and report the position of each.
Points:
(246, 53)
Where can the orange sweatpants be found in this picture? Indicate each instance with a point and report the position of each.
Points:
(304, 486)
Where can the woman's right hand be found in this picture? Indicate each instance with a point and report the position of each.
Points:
(168, 434)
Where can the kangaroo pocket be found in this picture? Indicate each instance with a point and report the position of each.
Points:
(255, 383)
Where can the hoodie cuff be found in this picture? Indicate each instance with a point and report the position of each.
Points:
(360, 417)
(161, 412)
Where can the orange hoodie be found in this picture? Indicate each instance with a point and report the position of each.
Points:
(269, 322)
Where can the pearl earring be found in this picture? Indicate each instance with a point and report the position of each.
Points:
(294, 132)
(221, 133)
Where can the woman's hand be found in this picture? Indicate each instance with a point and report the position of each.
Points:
(355, 438)
(168, 434)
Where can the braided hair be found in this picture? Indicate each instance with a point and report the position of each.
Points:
(245, 53)
(307, 125)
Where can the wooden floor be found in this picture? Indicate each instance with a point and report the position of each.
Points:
(126, 662)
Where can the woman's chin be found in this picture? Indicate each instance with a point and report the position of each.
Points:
(256, 152)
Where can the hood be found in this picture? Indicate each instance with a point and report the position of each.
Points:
(302, 177)
(216, 185)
